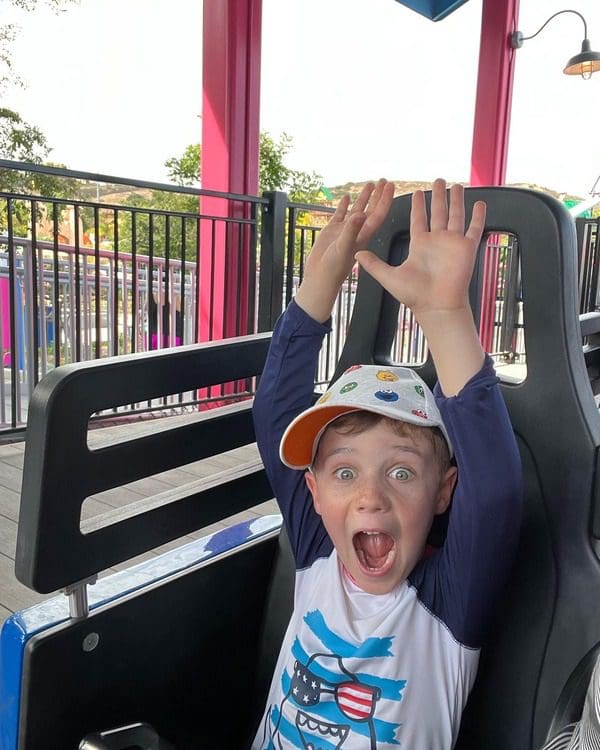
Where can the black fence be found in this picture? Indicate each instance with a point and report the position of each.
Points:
(115, 266)
(126, 266)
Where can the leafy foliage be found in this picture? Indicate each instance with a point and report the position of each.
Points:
(20, 140)
(303, 187)
(170, 227)
(8, 33)
(185, 170)
(180, 234)
(24, 142)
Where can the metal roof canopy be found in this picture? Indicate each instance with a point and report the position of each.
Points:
(433, 9)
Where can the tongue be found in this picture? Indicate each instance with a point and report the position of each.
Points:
(375, 547)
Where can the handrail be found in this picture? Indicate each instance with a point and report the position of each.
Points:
(113, 180)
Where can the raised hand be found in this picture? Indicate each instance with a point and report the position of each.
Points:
(435, 277)
(332, 256)
(434, 281)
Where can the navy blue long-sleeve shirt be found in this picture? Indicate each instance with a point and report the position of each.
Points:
(456, 587)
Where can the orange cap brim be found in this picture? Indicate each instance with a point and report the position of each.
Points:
(296, 449)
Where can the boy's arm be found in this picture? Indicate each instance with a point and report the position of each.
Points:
(465, 579)
(462, 583)
(287, 383)
(332, 256)
(286, 388)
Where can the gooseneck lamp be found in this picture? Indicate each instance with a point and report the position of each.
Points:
(583, 64)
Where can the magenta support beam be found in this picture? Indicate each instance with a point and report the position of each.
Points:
(230, 142)
(494, 92)
(491, 130)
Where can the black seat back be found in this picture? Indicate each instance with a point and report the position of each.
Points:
(172, 653)
(550, 615)
(175, 649)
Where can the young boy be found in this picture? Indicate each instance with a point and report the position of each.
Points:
(383, 644)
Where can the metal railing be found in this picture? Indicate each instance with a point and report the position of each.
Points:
(588, 246)
(82, 279)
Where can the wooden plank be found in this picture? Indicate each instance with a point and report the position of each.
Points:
(118, 497)
(10, 477)
(103, 437)
(214, 527)
(92, 507)
(173, 477)
(8, 537)
(267, 508)
(13, 458)
(13, 595)
(172, 494)
(4, 613)
(9, 503)
(148, 486)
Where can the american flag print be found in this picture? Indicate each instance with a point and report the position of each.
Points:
(306, 687)
(357, 701)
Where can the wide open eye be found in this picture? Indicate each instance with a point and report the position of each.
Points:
(344, 473)
(400, 473)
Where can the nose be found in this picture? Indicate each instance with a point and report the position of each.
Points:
(371, 496)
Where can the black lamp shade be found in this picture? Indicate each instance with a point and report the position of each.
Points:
(585, 63)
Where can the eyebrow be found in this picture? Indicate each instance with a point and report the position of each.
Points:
(405, 448)
(409, 449)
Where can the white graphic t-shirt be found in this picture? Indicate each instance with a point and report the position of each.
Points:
(360, 671)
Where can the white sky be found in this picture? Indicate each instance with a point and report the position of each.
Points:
(365, 87)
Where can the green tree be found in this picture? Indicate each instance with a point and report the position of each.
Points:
(177, 234)
(273, 174)
(23, 142)
(20, 140)
(185, 170)
(303, 187)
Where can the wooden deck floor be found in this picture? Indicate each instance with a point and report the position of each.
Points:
(14, 595)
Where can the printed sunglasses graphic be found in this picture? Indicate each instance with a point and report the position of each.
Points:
(354, 700)
(337, 697)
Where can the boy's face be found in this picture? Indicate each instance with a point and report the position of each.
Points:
(377, 493)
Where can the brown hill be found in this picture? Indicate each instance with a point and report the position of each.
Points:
(409, 186)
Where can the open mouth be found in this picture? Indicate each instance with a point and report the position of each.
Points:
(375, 551)
(313, 731)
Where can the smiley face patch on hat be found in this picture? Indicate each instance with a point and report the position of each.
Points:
(395, 392)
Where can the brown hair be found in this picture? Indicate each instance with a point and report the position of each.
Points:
(357, 422)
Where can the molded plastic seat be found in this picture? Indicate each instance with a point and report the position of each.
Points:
(193, 654)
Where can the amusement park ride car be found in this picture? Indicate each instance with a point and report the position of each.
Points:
(179, 652)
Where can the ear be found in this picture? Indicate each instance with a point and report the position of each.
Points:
(445, 490)
(311, 483)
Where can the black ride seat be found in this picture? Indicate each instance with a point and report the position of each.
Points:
(193, 653)
(549, 617)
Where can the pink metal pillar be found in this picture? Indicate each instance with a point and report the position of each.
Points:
(494, 92)
(491, 128)
(230, 141)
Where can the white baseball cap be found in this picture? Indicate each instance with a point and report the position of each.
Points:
(395, 392)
